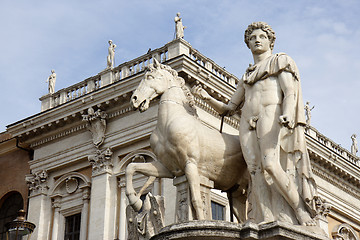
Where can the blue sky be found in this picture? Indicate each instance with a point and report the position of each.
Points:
(323, 37)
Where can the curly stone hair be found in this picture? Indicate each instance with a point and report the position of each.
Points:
(263, 26)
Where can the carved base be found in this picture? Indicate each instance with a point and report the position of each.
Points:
(221, 230)
(184, 209)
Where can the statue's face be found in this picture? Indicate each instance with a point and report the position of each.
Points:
(259, 42)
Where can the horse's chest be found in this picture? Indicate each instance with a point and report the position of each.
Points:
(166, 150)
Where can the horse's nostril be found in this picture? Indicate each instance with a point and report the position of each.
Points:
(134, 98)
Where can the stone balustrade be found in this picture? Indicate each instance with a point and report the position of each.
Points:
(108, 76)
(334, 147)
(213, 67)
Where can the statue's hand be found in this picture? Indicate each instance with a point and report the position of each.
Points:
(198, 91)
(286, 121)
(229, 110)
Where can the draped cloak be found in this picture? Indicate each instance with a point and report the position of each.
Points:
(292, 140)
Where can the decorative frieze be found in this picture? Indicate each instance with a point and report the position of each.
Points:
(336, 181)
(37, 182)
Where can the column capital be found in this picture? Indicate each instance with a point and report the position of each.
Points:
(101, 162)
(37, 182)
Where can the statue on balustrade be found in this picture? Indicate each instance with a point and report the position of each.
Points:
(111, 55)
(52, 80)
(354, 146)
(308, 113)
(179, 27)
(271, 131)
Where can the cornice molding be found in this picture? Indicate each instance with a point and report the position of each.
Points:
(336, 180)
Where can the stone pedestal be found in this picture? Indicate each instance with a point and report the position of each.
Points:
(221, 230)
(107, 77)
(47, 102)
(184, 209)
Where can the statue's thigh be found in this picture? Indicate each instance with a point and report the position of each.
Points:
(249, 145)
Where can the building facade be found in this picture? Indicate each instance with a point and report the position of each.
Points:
(86, 135)
(14, 166)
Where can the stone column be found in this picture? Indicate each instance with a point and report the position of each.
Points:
(84, 214)
(123, 204)
(103, 199)
(184, 209)
(55, 228)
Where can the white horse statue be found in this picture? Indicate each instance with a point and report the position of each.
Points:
(183, 145)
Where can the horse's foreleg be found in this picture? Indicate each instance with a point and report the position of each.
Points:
(192, 175)
(152, 169)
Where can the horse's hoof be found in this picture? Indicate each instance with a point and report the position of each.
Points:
(137, 205)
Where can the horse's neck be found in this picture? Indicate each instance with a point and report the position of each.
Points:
(174, 94)
(171, 104)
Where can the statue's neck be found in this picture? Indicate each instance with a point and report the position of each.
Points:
(260, 57)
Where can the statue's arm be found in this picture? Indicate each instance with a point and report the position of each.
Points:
(220, 107)
(288, 87)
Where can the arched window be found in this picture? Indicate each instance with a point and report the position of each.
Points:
(10, 204)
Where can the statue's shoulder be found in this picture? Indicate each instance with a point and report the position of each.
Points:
(282, 62)
(283, 57)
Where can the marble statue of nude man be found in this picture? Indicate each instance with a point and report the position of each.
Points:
(271, 130)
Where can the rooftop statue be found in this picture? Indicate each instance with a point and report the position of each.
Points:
(111, 55)
(179, 28)
(308, 113)
(51, 80)
(184, 146)
(354, 146)
(272, 133)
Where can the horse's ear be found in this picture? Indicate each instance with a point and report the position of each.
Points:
(156, 63)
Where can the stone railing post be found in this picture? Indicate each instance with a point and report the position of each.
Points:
(106, 77)
(125, 71)
(90, 85)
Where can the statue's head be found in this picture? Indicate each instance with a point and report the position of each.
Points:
(178, 14)
(263, 26)
(110, 42)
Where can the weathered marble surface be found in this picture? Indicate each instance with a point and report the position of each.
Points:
(271, 132)
(185, 146)
(221, 230)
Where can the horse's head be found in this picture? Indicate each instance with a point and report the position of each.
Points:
(157, 79)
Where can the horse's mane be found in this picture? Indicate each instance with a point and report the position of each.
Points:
(190, 100)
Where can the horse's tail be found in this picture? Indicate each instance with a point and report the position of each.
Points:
(150, 180)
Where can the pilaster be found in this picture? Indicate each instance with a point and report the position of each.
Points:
(103, 197)
(39, 210)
